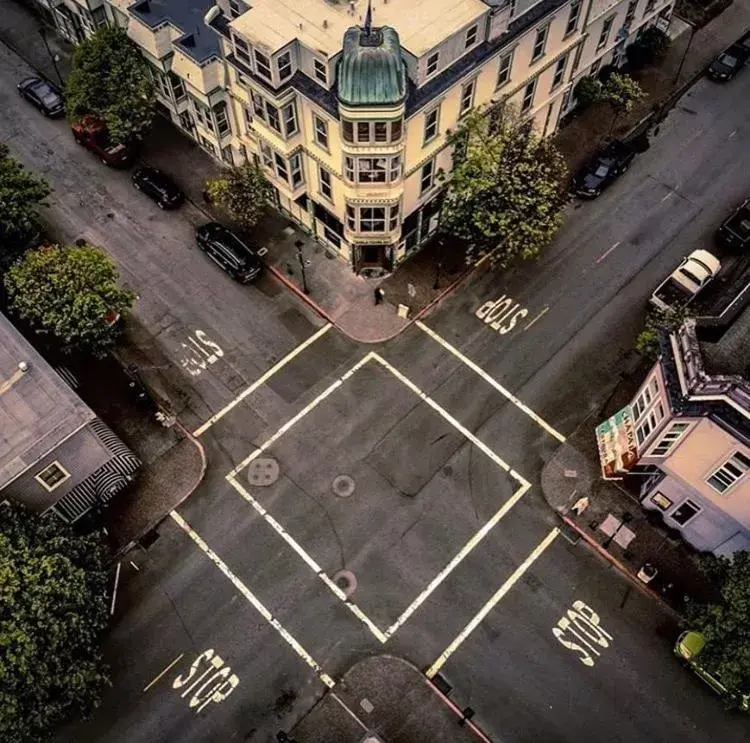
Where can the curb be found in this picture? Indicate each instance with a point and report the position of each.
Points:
(619, 565)
(459, 713)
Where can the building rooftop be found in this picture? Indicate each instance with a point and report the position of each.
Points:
(37, 408)
(198, 41)
(321, 24)
(730, 354)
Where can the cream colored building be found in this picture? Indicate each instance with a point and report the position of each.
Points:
(349, 127)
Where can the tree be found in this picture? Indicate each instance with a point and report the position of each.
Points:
(725, 625)
(53, 608)
(243, 192)
(71, 293)
(622, 93)
(647, 343)
(109, 79)
(506, 191)
(651, 46)
(588, 91)
(21, 195)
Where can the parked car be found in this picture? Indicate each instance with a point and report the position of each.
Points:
(230, 253)
(93, 135)
(728, 63)
(159, 186)
(604, 169)
(686, 281)
(734, 231)
(43, 95)
(688, 648)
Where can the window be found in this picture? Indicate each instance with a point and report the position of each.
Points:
(262, 64)
(234, 8)
(222, 120)
(381, 131)
(597, 63)
(431, 120)
(432, 63)
(178, 87)
(471, 37)
(160, 81)
(200, 113)
(503, 74)
(672, 435)
(258, 107)
(321, 71)
(467, 98)
(528, 95)
(649, 423)
(575, 14)
(686, 511)
(649, 7)
(630, 14)
(396, 128)
(289, 115)
(298, 175)
(321, 131)
(604, 35)
(52, 476)
(363, 131)
(248, 119)
(661, 500)
(427, 178)
(349, 171)
(241, 50)
(272, 116)
(207, 144)
(324, 179)
(280, 167)
(266, 155)
(577, 57)
(395, 170)
(284, 65)
(539, 43)
(347, 129)
(730, 472)
(557, 78)
(644, 399)
(372, 169)
(372, 218)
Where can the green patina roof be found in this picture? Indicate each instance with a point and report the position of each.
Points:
(371, 70)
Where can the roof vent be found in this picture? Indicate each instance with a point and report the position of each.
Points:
(325, 23)
(212, 13)
(300, 26)
(23, 367)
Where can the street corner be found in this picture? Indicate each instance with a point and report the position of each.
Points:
(567, 476)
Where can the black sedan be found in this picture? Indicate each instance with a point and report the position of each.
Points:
(228, 252)
(159, 186)
(42, 95)
(728, 63)
(604, 169)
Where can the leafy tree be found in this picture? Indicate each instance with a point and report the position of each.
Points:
(109, 79)
(647, 343)
(53, 608)
(588, 91)
(71, 293)
(506, 191)
(651, 46)
(243, 192)
(21, 195)
(725, 625)
(622, 93)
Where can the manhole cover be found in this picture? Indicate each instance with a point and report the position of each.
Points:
(346, 581)
(447, 470)
(343, 486)
(263, 471)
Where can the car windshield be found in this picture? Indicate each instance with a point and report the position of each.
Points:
(50, 98)
(691, 276)
(728, 60)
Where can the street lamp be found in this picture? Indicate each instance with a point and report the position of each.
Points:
(436, 285)
(301, 259)
(43, 33)
(685, 53)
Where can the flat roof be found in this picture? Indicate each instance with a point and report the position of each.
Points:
(37, 408)
(320, 24)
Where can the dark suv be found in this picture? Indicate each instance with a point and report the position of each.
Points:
(225, 249)
(603, 169)
(159, 186)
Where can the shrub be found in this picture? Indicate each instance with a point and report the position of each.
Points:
(588, 91)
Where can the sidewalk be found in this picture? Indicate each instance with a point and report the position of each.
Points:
(389, 697)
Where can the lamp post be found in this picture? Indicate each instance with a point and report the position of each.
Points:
(436, 285)
(43, 33)
(301, 259)
(684, 54)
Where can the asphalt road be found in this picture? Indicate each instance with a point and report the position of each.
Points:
(443, 521)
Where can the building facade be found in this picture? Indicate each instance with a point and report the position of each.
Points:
(687, 433)
(55, 454)
(349, 126)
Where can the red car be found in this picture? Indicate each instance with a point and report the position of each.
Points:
(93, 135)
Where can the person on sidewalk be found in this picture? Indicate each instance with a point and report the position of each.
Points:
(379, 295)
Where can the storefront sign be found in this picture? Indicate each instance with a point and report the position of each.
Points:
(618, 451)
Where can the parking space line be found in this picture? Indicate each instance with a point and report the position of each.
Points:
(262, 380)
(490, 605)
(253, 600)
(487, 378)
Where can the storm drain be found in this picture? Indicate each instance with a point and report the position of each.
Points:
(346, 581)
(262, 471)
(343, 486)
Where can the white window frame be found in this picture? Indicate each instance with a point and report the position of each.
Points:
(221, 120)
(296, 170)
(726, 477)
(630, 13)
(650, 6)
(529, 93)
(320, 129)
(472, 34)
(540, 43)
(357, 167)
(325, 184)
(432, 64)
(605, 32)
(289, 119)
(690, 503)
(427, 177)
(558, 76)
(573, 18)
(669, 437)
(242, 50)
(320, 70)
(287, 67)
(505, 69)
(262, 64)
(235, 11)
(49, 488)
(172, 77)
(467, 98)
(431, 125)
(355, 219)
(650, 422)
(649, 393)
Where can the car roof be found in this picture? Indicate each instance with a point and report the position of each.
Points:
(706, 258)
(690, 644)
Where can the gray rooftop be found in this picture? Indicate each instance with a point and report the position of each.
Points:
(37, 408)
(730, 354)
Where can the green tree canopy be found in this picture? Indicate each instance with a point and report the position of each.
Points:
(506, 191)
(21, 195)
(622, 92)
(109, 79)
(53, 608)
(726, 625)
(647, 342)
(70, 292)
(243, 192)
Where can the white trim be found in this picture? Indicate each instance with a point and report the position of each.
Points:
(56, 463)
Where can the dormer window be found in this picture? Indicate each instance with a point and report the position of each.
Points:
(471, 37)
(234, 9)
(262, 64)
(284, 65)
(241, 50)
(432, 63)
(321, 71)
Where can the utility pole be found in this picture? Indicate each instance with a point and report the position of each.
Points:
(301, 259)
(685, 53)
(43, 34)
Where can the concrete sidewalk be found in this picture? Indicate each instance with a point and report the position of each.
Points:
(388, 697)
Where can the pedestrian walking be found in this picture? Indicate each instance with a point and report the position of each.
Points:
(379, 295)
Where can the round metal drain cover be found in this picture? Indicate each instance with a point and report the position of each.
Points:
(263, 471)
(343, 486)
(346, 581)
(447, 470)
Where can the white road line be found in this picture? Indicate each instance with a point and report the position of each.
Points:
(307, 559)
(245, 591)
(487, 608)
(487, 378)
(262, 380)
(606, 253)
(538, 317)
(665, 197)
(159, 675)
(467, 548)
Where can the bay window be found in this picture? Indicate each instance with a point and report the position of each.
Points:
(367, 132)
(372, 218)
(372, 169)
